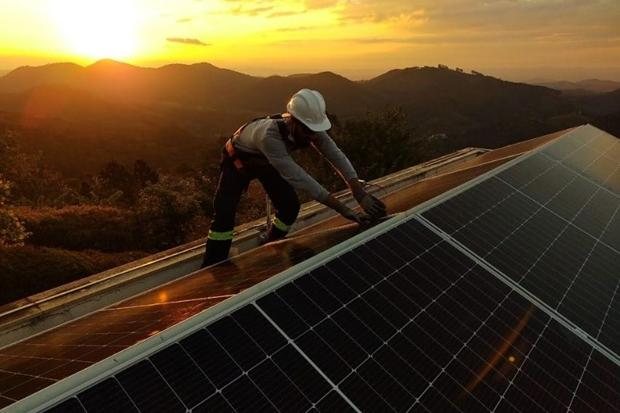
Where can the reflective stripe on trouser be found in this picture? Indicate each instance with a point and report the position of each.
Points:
(229, 189)
(277, 222)
(278, 230)
(220, 236)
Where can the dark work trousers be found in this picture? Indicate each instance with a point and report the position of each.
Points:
(232, 183)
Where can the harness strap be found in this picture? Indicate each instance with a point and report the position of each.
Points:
(232, 154)
(230, 147)
(283, 128)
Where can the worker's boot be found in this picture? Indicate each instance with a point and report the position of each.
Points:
(215, 251)
(274, 234)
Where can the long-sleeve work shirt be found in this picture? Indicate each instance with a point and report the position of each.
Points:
(263, 137)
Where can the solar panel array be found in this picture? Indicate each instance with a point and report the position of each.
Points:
(551, 223)
(42, 360)
(434, 314)
(403, 321)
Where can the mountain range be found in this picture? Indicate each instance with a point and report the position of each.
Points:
(80, 117)
(583, 87)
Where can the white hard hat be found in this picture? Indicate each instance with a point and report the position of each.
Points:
(308, 106)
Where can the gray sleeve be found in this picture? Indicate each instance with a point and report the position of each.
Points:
(277, 154)
(326, 146)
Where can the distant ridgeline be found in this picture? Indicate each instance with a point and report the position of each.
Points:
(79, 118)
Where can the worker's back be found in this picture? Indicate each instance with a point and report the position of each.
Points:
(253, 135)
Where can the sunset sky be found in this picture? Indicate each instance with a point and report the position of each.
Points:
(514, 39)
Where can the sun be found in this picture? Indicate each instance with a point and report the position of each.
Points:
(97, 28)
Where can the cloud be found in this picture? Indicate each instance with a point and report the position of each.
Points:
(189, 41)
(320, 4)
(378, 11)
(455, 21)
(296, 29)
(460, 38)
(284, 13)
(250, 8)
(474, 12)
(278, 8)
(255, 11)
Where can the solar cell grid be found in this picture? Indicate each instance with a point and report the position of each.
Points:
(434, 343)
(568, 144)
(595, 157)
(610, 333)
(611, 398)
(552, 231)
(223, 367)
(39, 362)
(598, 171)
(611, 235)
(107, 396)
(614, 153)
(598, 215)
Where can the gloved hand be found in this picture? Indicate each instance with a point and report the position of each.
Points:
(373, 206)
(351, 215)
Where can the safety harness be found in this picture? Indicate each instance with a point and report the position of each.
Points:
(233, 154)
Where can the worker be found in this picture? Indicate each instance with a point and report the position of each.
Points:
(260, 150)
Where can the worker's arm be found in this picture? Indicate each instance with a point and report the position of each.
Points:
(274, 149)
(326, 146)
(338, 160)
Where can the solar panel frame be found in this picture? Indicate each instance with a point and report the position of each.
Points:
(50, 396)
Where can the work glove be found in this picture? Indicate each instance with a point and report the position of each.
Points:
(351, 215)
(373, 206)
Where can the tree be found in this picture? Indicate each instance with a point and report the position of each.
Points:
(379, 143)
(165, 211)
(114, 178)
(33, 183)
(143, 174)
(12, 232)
(85, 190)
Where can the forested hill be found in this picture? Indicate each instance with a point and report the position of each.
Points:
(81, 117)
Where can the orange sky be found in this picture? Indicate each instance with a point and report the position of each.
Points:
(515, 39)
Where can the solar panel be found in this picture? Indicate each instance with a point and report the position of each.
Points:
(42, 360)
(402, 321)
(470, 305)
(550, 223)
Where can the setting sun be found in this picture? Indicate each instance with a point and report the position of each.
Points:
(97, 29)
(516, 40)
